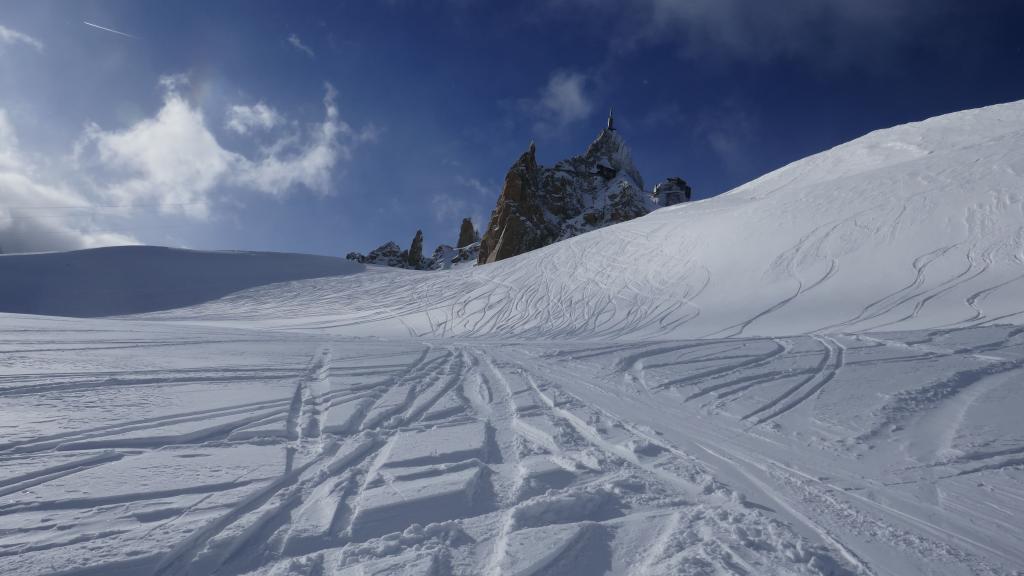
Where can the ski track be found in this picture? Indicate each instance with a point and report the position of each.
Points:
(702, 391)
(659, 458)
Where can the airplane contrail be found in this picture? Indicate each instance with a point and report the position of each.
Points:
(109, 29)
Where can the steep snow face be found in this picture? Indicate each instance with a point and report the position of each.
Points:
(917, 226)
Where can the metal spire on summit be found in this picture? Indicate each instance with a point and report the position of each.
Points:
(611, 120)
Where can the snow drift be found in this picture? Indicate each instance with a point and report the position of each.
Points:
(132, 279)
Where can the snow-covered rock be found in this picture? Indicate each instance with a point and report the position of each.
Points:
(444, 257)
(540, 205)
(671, 191)
(387, 254)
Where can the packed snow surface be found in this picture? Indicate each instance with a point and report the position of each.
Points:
(817, 373)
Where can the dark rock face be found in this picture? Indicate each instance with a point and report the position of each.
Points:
(671, 191)
(518, 222)
(415, 256)
(539, 205)
(467, 233)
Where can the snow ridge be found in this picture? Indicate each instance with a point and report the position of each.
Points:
(915, 227)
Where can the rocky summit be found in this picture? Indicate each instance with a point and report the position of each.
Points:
(540, 205)
(444, 257)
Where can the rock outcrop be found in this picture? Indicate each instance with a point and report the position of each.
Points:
(468, 253)
(467, 234)
(540, 205)
(671, 191)
(415, 257)
(444, 256)
(387, 254)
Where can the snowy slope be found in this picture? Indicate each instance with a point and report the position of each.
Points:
(153, 448)
(917, 226)
(132, 279)
(556, 416)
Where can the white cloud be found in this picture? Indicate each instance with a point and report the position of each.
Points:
(38, 213)
(176, 162)
(309, 163)
(10, 37)
(562, 101)
(171, 161)
(242, 119)
(173, 82)
(294, 40)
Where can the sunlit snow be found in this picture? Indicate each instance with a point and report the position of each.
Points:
(819, 372)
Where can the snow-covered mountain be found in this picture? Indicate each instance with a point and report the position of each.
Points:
(817, 374)
(918, 226)
(540, 205)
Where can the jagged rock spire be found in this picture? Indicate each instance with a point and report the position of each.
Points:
(539, 205)
(467, 233)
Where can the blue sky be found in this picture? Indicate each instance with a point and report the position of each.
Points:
(326, 127)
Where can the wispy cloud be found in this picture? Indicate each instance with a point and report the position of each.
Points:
(242, 119)
(730, 132)
(111, 30)
(826, 32)
(560, 102)
(564, 97)
(452, 208)
(10, 37)
(294, 40)
(447, 207)
(477, 186)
